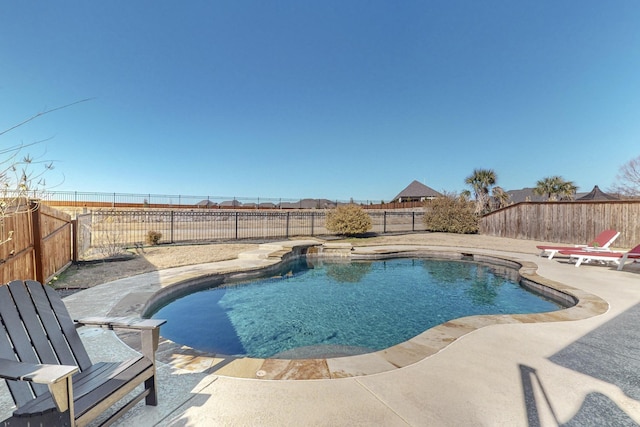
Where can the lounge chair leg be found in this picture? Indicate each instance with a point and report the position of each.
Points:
(622, 261)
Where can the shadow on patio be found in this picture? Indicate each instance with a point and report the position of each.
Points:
(610, 354)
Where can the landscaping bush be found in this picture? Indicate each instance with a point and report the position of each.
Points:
(452, 214)
(153, 237)
(349, 220)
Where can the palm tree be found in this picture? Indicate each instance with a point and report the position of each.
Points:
(567, 190)
(554, 187)
(481, 180)
(500, 196)
(549, 186)
(465, 195)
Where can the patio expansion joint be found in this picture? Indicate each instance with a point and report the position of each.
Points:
(379, 399)
(179, 409)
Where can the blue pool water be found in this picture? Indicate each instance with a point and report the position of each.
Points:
(319, 308)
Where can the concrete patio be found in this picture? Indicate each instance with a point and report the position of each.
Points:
(577, 369)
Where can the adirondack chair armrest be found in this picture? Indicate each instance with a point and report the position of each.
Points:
(56, 377)
(121, 322)
(149, 330)
(41, 374)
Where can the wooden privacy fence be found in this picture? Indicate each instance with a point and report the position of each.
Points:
(36, 244)
(566, 222)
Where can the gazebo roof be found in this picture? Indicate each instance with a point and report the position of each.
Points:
(597, 194)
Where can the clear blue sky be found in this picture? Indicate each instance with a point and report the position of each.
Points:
(324, 99)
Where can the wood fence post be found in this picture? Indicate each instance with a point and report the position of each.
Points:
(74, 239)
(37, 242)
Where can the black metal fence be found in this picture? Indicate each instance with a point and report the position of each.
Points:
(127, 228)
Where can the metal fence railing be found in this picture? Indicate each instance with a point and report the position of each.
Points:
(128, 228)
(104, 199)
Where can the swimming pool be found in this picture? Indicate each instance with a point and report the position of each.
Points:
(317, 307)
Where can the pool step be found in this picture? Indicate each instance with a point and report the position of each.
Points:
(337, 249)
(278, 249)
(256, 254)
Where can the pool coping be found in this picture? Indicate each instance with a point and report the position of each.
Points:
(424, 345)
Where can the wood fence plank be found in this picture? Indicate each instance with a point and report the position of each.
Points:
(40, 245)
(566, 222)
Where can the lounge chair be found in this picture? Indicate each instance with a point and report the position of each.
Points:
(619, 258)
(48, 371)
(600, 243)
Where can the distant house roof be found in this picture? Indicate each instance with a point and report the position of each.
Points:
(309, 204)
(597, 194)
(206, 203)
(527, 195)
(524, 195)
(290, 205)
(416, 191)
(233, 203)
(317, 203)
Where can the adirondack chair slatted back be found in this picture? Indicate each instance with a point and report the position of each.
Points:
(37, 328)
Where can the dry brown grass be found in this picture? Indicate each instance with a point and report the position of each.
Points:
(93, 273)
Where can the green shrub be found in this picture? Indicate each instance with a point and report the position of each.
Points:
(348, 220)
(153, 237)
(452, 214)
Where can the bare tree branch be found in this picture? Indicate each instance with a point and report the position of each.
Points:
(19, 182)
(628, 179)
(42, 113)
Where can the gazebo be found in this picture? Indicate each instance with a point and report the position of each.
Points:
(597, 194)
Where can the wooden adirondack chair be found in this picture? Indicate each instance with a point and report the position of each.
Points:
(48, 371)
